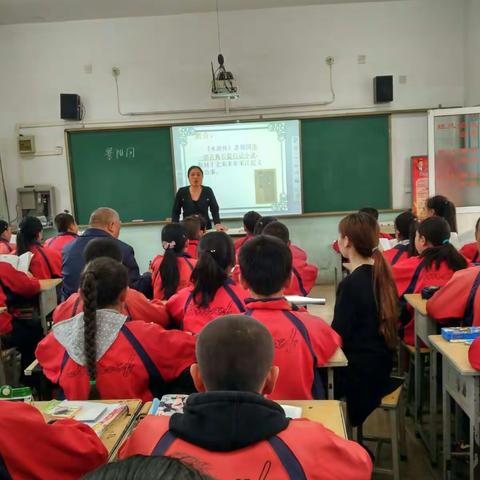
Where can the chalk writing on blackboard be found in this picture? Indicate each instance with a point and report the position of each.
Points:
(119, 153)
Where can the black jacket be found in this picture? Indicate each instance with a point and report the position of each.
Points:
(207, 200)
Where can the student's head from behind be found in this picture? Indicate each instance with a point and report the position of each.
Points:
(432, 242)
(373, 212)
(440, 206)
(265, 265)
(64, 222)
(102, 247)
(358, 234)
(262, 223)
(250, 219)
(103, 284)
(106, 219)
(235, 353)
(5, 231)
(174, 242)
(404, 224)
(195, 175)
(195, 226)
(140, 467)
(216, 258)
(278, 230)
(29, 232)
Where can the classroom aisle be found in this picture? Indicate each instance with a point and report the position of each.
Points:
(417, 466)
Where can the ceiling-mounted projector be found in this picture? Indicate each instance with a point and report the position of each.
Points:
(223, 83)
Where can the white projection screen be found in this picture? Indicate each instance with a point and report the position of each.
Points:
(249, 166)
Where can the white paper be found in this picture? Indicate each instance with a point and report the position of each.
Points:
(292, 412)
(299, 300)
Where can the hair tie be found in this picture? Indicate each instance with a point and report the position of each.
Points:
(93, 382)
(212, 251)
(374, 249)
(446, 241)
(167, 245)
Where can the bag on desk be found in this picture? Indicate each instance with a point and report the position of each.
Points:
(460, 334)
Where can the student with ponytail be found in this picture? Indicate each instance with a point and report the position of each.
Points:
(172, 270)
(6, 248)
(99, 354)
(440, 206)
(365, 316)
(46, 262)
(213, 293)
(405, 224)
(436, 263)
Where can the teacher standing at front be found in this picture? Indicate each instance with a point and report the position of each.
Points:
(196, 199)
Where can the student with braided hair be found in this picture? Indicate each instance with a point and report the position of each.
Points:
(171, 271)
(46, 262)
(98, 354)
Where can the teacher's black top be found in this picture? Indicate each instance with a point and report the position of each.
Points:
(184, 201)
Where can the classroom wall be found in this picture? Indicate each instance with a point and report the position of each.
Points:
(472, 42)
(277, 56)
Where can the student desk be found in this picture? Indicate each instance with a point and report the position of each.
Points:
(424, 327)
(327, 412)
(338, 360)
(47, 299)
(461, 383)
(114, 435)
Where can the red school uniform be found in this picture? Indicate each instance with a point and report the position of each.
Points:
(458, 300)
(240, 242)
(192, 248)
(64, 450)
(17, 283)
(7, 248)
(186, 264)
(228, 300)
(46, 263)
(411, 276)
(303, 343)
(470, 252)
(396, 254)
(137, 307)
(250, 436)
(136, 359)
(59, 241)
(474, 354)
(304, 276)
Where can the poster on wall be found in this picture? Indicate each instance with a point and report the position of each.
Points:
(419, 184)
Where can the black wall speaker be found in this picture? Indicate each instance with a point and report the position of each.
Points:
(70, 106)
(383, 89)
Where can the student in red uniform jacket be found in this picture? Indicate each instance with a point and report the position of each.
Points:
(438, 260)
(172, 270)
(141, 467)
(248, 436)
(67, 231)
(21, 333)
(100, 354)
(304, 274)
(46, 262)
(471, 250)
(196, 226)
(458, 300)
(6, 248)
(213, 293)
(366, 316)
(405, 225)
(303, 342)
(31, 449)
(249, 221)
(136, 307)
(474, 354)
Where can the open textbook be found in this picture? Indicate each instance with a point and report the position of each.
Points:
(21, 263)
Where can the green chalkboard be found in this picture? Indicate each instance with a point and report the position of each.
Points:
(129, 170)
(346, 163)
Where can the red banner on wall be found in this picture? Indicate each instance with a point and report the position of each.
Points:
(419, 184)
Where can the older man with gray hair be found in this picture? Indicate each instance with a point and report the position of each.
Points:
(104, 223)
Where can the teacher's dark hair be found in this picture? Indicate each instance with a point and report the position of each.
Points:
(174, 238)
(193, 167)
(216, 257)
(148, 468)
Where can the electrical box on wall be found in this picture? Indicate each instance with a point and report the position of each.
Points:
(26, 144)
(37, 201)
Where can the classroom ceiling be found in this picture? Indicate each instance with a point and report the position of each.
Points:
(38, 11)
